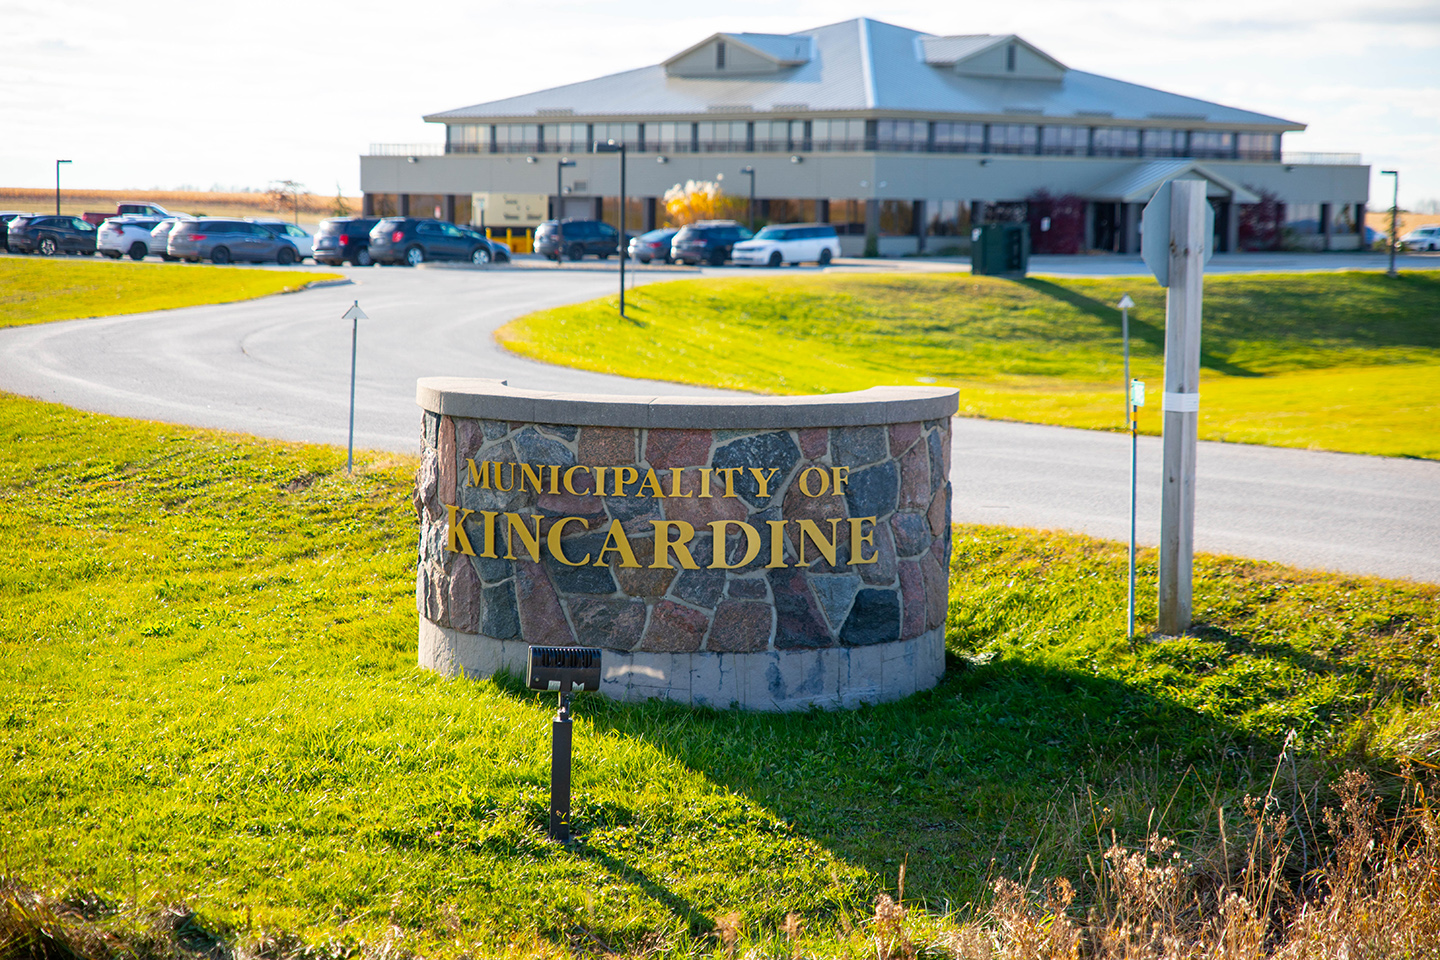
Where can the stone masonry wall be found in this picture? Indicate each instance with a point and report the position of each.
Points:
(897, 473)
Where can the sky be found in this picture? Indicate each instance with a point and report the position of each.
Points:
(166, 94)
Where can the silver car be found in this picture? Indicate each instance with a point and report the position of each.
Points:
(223, 241)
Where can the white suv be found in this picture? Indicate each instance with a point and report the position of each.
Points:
(128, 234)
(1422, 238)
(792, 243)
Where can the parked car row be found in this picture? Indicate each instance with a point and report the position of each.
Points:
(709, 241)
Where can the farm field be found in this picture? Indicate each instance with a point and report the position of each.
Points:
(208, 697)
(36, 290)
(1336, 361)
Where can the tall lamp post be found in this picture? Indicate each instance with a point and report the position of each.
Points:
(610, 146)
(750, 172)
(57, 185)
(560, 166)
(1394, 218)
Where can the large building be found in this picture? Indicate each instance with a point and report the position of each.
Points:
(902, 139)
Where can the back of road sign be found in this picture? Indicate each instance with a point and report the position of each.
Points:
(1155, 234)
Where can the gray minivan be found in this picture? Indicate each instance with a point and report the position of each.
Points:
(221, 241)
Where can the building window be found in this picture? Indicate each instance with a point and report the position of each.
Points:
(1302, 218)
(897, 218)
(467, 138)
(1258, 146)
(1163, 143)
(562, 137)
(1010, 59)
(790, 211)
(947, 218)
(516, 137)
(838, 134)
(1342, 218)
(848, 216)
(722, 136)
(720, 55)
(779, 135)
(1116, 142)
(626, 133)
(1014, 138)
(959, 137)
(1212, 145)
(901, 135)
(668, 137)
(1057, 141)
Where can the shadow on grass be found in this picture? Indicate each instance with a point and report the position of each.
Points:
(1139, 329)
(985, 775)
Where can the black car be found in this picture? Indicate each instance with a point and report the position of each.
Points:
(578, 237)
(344, 238)
(50, 235)
(499, 253)
(709, 241)
(412, 241)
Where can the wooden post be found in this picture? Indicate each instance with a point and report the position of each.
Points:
(1181, 402)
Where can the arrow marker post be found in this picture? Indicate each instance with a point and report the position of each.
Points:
(1130, 419)
(354, 315)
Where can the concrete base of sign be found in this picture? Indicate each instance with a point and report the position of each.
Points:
(774, 680)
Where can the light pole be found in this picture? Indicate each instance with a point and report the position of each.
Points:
(1394, 218)
(560, 166)
(57, 185)
(610, 146)
(750, 172)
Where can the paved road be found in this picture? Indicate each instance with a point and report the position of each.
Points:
(280, 366)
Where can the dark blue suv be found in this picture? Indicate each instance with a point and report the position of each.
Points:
(412, 241)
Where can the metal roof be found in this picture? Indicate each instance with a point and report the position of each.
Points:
(1139, 185)
(865, 65)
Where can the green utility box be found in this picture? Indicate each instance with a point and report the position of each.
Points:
(1000, 249)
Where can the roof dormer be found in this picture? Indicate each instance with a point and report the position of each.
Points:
(739, 55)
(996, 57)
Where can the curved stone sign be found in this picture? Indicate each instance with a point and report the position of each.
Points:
(769, 552)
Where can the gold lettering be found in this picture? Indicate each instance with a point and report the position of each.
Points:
(675, 484)
(489, 516)
(651, 481)
(704, 483)
(718, 551)
(842, 474)
(615, 540)
(599, 481)
(624, 475)
(729, 474)
(808, 528)
(530, 540)
(479, 477)
(570, 481)
(553, 541)
(457, 542)
(663, 544)
(528, 472)
(777, 544)
(500, 472)
(554, 478)
(858, 540)
(805, 481)
(764, 482)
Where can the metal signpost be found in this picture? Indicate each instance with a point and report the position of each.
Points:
(563, 669)
(1176, 241)
(57, 187)
(610, 146)
(1130, 423)
(354, 315)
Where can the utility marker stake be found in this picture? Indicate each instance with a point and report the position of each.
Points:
(1130, 421)
(354, 315)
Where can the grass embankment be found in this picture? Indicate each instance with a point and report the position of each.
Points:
(38, 291)
(208, 694)
(1335, 361)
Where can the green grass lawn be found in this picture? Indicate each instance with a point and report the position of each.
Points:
(1336, 361)
(35, 290)
(208, 694)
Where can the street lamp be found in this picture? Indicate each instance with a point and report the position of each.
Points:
(750, 172)
(610, 146)
(1394, 219)
(57, 185)
(560, 166)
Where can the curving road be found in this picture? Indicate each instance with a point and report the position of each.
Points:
(280, 367)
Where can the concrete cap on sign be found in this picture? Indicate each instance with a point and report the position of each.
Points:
(1155, 233)
(494, 400)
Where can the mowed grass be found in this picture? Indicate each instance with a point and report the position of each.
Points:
(35, 290)
(208, 695)
(1335, 361)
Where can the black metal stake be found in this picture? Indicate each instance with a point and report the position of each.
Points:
(560, 741)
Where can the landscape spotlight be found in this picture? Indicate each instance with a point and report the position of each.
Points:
(563, 669)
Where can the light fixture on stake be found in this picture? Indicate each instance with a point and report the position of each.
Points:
(1133, 389)
(354, 315)
(563, 669)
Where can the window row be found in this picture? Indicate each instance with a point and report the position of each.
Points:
(928, 136)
